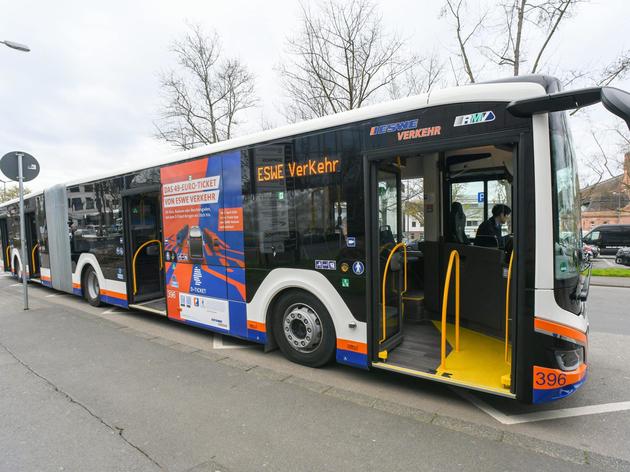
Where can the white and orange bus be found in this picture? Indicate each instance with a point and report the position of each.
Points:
(353, 237)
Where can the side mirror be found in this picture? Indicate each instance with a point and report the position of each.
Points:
(617, 102)
(614, 100)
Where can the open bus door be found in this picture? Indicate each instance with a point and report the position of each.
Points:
(4, 245)
(391, 258)
(32, 245)
(144, 251)
(440, 308)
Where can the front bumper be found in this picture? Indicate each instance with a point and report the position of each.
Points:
(553, 384)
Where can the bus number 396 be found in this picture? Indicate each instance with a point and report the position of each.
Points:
(550, 379)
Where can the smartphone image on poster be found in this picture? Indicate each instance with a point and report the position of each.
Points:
(195, 244)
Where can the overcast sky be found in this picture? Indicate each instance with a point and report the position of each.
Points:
(85, 98)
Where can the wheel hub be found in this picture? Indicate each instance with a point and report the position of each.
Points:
(302, 327)
(93, 286)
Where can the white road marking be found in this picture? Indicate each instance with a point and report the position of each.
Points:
(483, 406)
(543, 415)
(217, 343)
(54, 295)
(16, 285)
(570, 412)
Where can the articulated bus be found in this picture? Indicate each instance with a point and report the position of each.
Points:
(353, 237)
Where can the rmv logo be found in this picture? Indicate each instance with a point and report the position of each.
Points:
(474, 118)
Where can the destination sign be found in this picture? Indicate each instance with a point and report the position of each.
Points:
(293, 169)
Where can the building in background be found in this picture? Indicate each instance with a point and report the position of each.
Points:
(607, 202)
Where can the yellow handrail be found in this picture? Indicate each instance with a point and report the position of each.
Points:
(8, 261)
(447, 284)
(133, 261)
(507, 304)
(33, 257)
(391, 254)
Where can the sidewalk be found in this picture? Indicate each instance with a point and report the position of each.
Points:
(611, 281)
(97, 387)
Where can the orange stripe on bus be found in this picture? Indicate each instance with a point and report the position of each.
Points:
(109, 293)
(559, 329)
(240, 287)
(546, 378)
(256, 326)
(45, 277)
(353, 346)
(75, 285)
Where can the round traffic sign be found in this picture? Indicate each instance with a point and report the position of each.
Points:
(9, 166)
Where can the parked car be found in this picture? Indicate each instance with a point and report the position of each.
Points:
(623, 256)
(608, 238)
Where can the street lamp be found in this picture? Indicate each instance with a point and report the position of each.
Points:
(14, 45)
(23, 48)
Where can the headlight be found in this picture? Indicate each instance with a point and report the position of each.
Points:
(569, 359)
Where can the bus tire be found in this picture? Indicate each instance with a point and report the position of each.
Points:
(91, 287)
(304, 329)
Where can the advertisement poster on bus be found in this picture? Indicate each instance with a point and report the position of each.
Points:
(202, 210)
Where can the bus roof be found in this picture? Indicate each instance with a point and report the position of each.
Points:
(507, 91)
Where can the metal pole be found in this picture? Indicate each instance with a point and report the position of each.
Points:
(25, 269)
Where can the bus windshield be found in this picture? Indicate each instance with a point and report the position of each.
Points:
(567, 244)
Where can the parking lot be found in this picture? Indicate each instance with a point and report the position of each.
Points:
(592, 427)
(607, 262)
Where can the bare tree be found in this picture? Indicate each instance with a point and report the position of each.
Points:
(509, 31)
(205, 97)
(618, 69)
(341, 59)
(608, 161)
(9, 193)
(413, 199)
(517, 36)
(425, 75)
(458, 11)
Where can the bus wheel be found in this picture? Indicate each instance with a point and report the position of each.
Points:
(91, 287)
(303, 329)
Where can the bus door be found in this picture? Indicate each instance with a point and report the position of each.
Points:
(4, 245)
(478, 248)
(391, 253)
(458, 328)
(32, 245)
(143, 247)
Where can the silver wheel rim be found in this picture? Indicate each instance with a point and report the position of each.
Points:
(302, 328)
(93, 287)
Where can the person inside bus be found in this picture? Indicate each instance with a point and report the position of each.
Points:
(458, 224)
(489, 232)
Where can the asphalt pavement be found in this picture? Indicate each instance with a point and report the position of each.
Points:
(84, 388)
(607, 262)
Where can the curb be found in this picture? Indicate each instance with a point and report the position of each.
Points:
(611, 281)
(595, 284)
